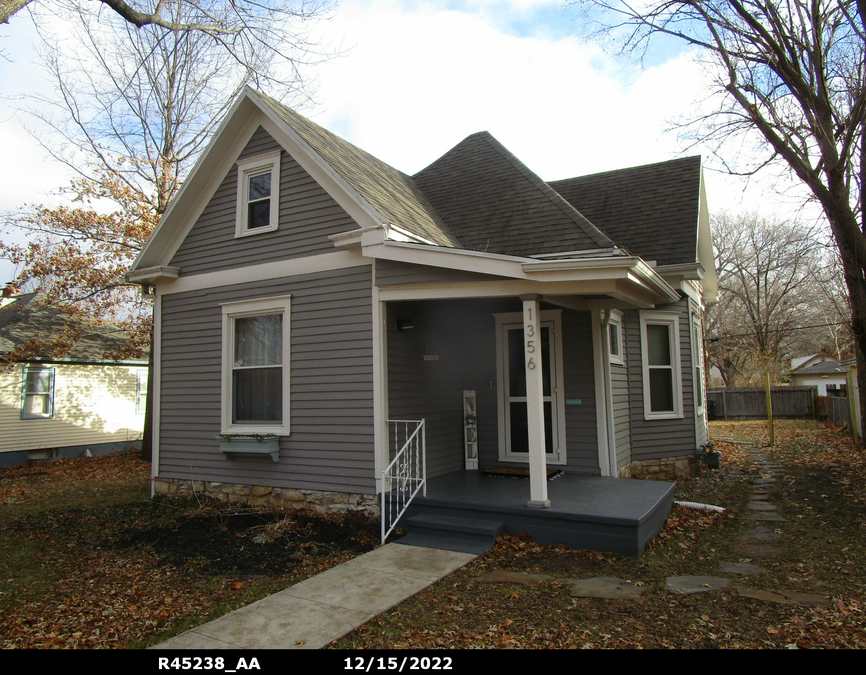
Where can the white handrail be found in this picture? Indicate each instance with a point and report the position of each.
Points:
(406, 474)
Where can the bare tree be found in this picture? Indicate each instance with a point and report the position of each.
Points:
(240, 27)
(133, 109)
(770, 280)
(793, 72)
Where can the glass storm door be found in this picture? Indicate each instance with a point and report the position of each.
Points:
(516, 423)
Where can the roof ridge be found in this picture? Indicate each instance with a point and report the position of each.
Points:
(625, 169)
(593, 232)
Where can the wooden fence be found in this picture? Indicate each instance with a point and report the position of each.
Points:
(834, 408)
(751, 402)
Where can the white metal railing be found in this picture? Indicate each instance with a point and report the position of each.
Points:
(407, 472)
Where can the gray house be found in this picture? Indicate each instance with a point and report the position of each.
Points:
(329, 329)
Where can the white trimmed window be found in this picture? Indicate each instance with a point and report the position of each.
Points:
(614, 338)
(258, 205)
(255, 372)
(698, 362)
(140, 390)
(660, 358)
(37, 398)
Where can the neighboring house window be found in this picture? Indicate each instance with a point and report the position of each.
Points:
(614, 338)
(255, 386)
(660, 357)
(258, 194)
(698, 362)
(140, 391)
(37, 401)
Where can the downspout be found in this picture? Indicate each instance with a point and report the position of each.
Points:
(608, 391)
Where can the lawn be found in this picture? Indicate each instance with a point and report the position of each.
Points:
(88, 560)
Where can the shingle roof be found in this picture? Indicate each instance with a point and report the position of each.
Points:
(25, 319)
(494, 203)
(391, 192)
(478, 196)
(825, 368)
(651, 210)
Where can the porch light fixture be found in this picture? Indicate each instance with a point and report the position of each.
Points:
(405, 324)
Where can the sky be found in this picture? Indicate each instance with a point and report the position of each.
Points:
(414, 78)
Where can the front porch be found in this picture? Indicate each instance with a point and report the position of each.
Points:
(592, 512)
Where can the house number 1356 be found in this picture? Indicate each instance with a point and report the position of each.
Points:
(530, 344)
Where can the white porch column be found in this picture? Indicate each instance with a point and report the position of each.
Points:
(534, 403)
(380, 388)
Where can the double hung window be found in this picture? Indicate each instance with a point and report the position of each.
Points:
(614, 338)
(258, 194)
(660, 357)
(37, 400)
(255, 390)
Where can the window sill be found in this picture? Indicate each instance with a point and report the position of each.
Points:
(250, 445)
(663, 416)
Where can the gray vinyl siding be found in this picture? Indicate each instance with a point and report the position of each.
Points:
(581, 428)
(308, 215)
(659, 438)
(331, 441)
(621, 412)
(461, 333)
(392, 273)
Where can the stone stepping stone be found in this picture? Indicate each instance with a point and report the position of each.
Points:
(739, 568)
(506, 577)
(761, 506)
(758, 550)
(762, 534)
(758, 496)
(690, 585)
(606, 588)
(763, 481)
(765, 517)
(767, 596)
(785, 597)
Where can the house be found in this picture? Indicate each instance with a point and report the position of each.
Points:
(314, 305)
(827, 374)
(70, 406)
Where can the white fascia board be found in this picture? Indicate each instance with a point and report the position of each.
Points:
(151, 274)
(355, 238)
(449, 258)
(704, 253)
(496, 289)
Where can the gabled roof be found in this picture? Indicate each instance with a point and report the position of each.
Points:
(494, 203)
(477, 198)
(25, 320)
(651, 210)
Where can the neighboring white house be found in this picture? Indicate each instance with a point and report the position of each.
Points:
(69, 406)
(830, 376)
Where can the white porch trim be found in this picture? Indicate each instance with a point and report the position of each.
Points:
(380, 387)
(157, 378)
(601, 424)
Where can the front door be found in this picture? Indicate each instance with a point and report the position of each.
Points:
(514, 435)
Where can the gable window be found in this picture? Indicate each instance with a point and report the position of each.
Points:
(698, 362)
(258, 194)
(614, 338)
(660, 359)
(255, 377)
(37, 400)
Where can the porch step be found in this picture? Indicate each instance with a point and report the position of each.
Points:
(450, 533)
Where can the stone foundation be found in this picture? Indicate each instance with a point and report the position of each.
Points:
(669, 468)
(263, 496)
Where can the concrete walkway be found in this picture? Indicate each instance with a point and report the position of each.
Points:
(325, 607)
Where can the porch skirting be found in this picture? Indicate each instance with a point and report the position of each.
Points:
(262, 495)
(668, 468)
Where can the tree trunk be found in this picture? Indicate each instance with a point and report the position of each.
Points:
(147, 435)
(8, 8)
